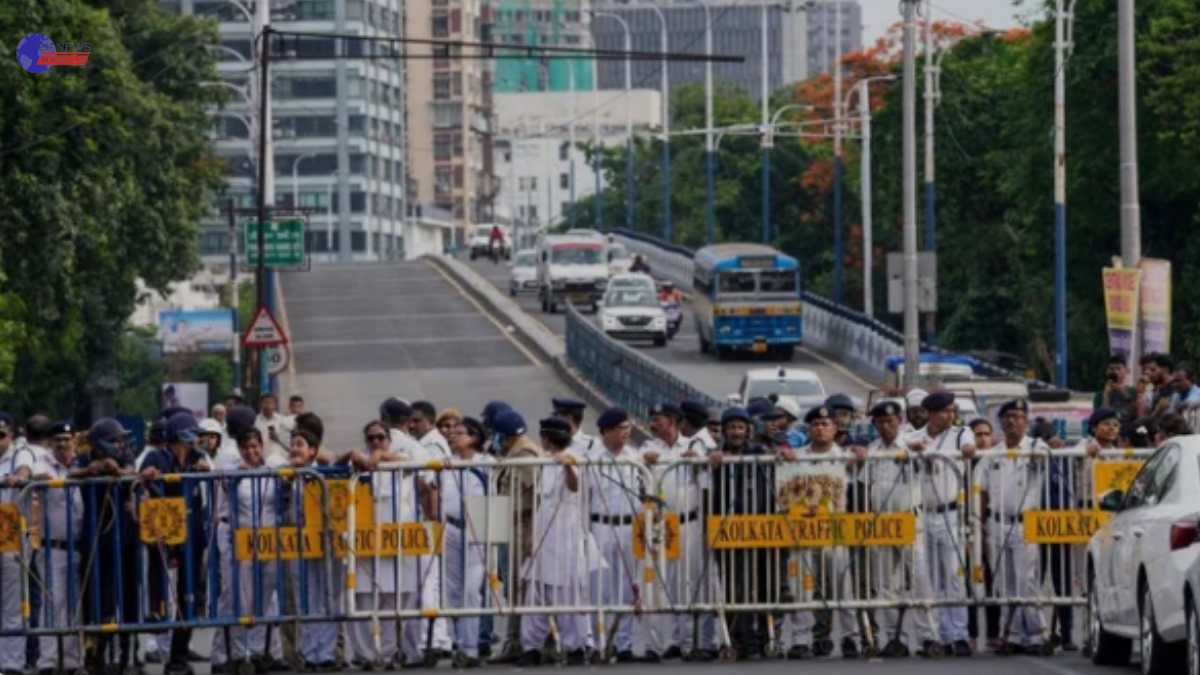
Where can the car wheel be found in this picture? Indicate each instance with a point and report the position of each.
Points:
(1107, 649)
(1193, 637)
(1157, 656)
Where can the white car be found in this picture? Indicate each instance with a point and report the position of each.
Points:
(631, 312)
(804, 387)
(1143, 566)
(633, 280)
(523, 276)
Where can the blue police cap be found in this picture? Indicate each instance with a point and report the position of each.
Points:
(667, 408)
(885, 409)
(175, 410)
(1101, 414)
(611, 418)
(694, 411)
(158, 431)
(180, 424)
(567, 404)
(764, 409)
(62, 427)
(395, 408)
(938, 400)
(839, 402)
(820, 412)
(105, 429)
(238, 420)
(554, 426)
(734, 413)
(491, 410)
(1017, 404)
(509, 424)
(6, 420)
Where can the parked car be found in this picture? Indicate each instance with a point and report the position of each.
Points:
(633, 313)
(522, 277)
(799, 385)
(1143, 566)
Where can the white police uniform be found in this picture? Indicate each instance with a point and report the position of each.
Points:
(685, 577)
(283, 431)
(818, 485)
(939, 496)
(1014, 486)
(12, 649)
(317, 640)
(430, 567)
(59, 563)
(466, 557)
(708, 637)
(613, 501)
(900, 573)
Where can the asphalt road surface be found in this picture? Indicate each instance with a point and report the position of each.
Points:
(362, 333)
(682, 355)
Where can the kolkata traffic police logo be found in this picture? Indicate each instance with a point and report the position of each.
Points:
(339, 504)
(162, 520)
(10, 529)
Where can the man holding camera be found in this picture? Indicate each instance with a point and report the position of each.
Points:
(1116, 394)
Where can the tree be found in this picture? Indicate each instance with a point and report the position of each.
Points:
(214, 371)
(107, 169)
(141, 372)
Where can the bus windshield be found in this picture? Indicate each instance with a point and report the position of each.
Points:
(576, 255)
(777, 281)
(736, 282)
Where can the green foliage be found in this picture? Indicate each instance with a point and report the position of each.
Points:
(106, 170)
(216, 371)
(141, 372)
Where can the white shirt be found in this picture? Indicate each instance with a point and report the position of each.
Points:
(814, 485)
(436, 445)
(1014, 485)
(228, 458)
(939, 484)
(680, 485)
(56, 500)
(283, 431)
(582, 445)
(459, 485)
(12, 461)
(613, 490)
(895, 485)
(385, 483)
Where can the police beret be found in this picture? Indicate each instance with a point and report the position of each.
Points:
(6, 420)
(394, 407)
(818, 413)
(613, 417)
(735, 413)
(885, 409)
(1101, 414)
(62, 427)
(175, 410)
(238, 420)
(667, 408)
(491, 410)
(839, 402)
(694, 411)
(567, 404)
(554, 426)
(1017, 404)
(180, 424)
(939, 400)
(509, 424)
(158, 430)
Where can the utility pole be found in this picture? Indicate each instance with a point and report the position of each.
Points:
(710, 225)
(767, 135)
(1131, 227)
(839, 267)
(266, 178)
(233, 294)
(864, 116)
(912, 342)
(932, 72)
(1061, 45)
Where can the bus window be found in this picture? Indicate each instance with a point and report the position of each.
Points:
(777, 281)
(736, 282)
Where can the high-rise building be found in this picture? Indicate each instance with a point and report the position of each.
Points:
(737, 29)
(826, 31)
(552, 23)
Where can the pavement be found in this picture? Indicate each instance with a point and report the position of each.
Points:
(682, 355)
(361, 333)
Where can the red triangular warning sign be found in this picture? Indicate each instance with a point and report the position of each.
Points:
(264, 331)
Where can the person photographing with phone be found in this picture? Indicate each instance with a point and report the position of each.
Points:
(1115, 393)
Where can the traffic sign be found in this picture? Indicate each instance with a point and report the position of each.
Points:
(277, 358)
(283, 244)
(264, 331)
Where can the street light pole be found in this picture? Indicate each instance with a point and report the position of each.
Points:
(296, 179)
(839, 267)
(571, 141)
(1061, 45)
(710, 168)
(264, 281)
(862, 88)
(932, 71)
(767, 141)
(1131, 227)
(666, 125)
(629, 197)
(912, 344)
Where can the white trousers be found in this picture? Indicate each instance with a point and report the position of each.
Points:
(56, 610)
(1017, 568)
(362, 633)
(431, 587)
(318, 641)
(612, 587)
(12, 649)
(688, 582)
(831, 576)
(902, 573)
(254, 581)
(946, 571)
(535, 628)
(465, 568)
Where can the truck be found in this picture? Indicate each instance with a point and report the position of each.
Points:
(571, 268)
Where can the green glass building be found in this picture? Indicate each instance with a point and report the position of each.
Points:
(536, 23)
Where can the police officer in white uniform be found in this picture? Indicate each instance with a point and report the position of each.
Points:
(936, 442)
(570, 411)
(899, 573)
(1011, 487)
(16, 465)
(696, 426)
(466, 557)
(424, 428)
(614, 500)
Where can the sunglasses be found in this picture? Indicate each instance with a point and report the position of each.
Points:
(376, 438)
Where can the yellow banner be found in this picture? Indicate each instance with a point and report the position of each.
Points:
(10, 528)
(780, 531)
(1121, 297)
(670, 535)
(1108, 475)
(1063, 527)
(162, 520)
(287, 543)
(339, 504)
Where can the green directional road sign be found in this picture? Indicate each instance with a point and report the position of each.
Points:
(283, 245)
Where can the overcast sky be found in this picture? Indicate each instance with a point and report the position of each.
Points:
(879, 14)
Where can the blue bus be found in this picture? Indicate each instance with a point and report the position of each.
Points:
(747, 297)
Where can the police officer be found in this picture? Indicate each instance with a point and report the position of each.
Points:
(570, 411)
(791, 422)
(900, 573)
(16, 465)
(914, 414)
(614, 499)
(935, 443)
(423, 428)
(1012, 487)
(486, 624)
(59, 560)
(696, 425)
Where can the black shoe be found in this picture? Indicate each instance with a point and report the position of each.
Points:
(849, 649)
(1068, 646)
(799, 653)
(178, 669)
(672, 653)
(651, 657)
(155, 657)
(962, 648)
(510, 653)
(930, 650)
(218, 669)
(626, 656)
(530, 659)
(823, 648)
(47, 671)
(193, 657)
(278, 666)
(327, 666)
(576, 657)
(894, 649)
(485, 650)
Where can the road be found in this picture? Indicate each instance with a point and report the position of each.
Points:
(703, 371)
(362, 333)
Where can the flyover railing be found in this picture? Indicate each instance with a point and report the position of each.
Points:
(854, 339)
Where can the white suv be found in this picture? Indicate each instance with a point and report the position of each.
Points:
(630, 310)
(522, 277)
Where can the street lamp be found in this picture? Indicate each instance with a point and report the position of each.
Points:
(628, 116)
(666, 123)
(710, 178)
(296, 178)
(864, 112)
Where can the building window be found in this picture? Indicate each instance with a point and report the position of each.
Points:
(354, 10)
(458, 177)
(533, 213)
(442, 147)
(358, 242)
(564, 151)
(441, 27)
(564, 181)
(533, 183)
(441, 87)
(314, 10)
(564, 209)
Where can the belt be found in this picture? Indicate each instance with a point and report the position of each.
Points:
(58, 544)
(689, 516)
(1019, 518)
(456, 522)
(943, 508)
(612, 520)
